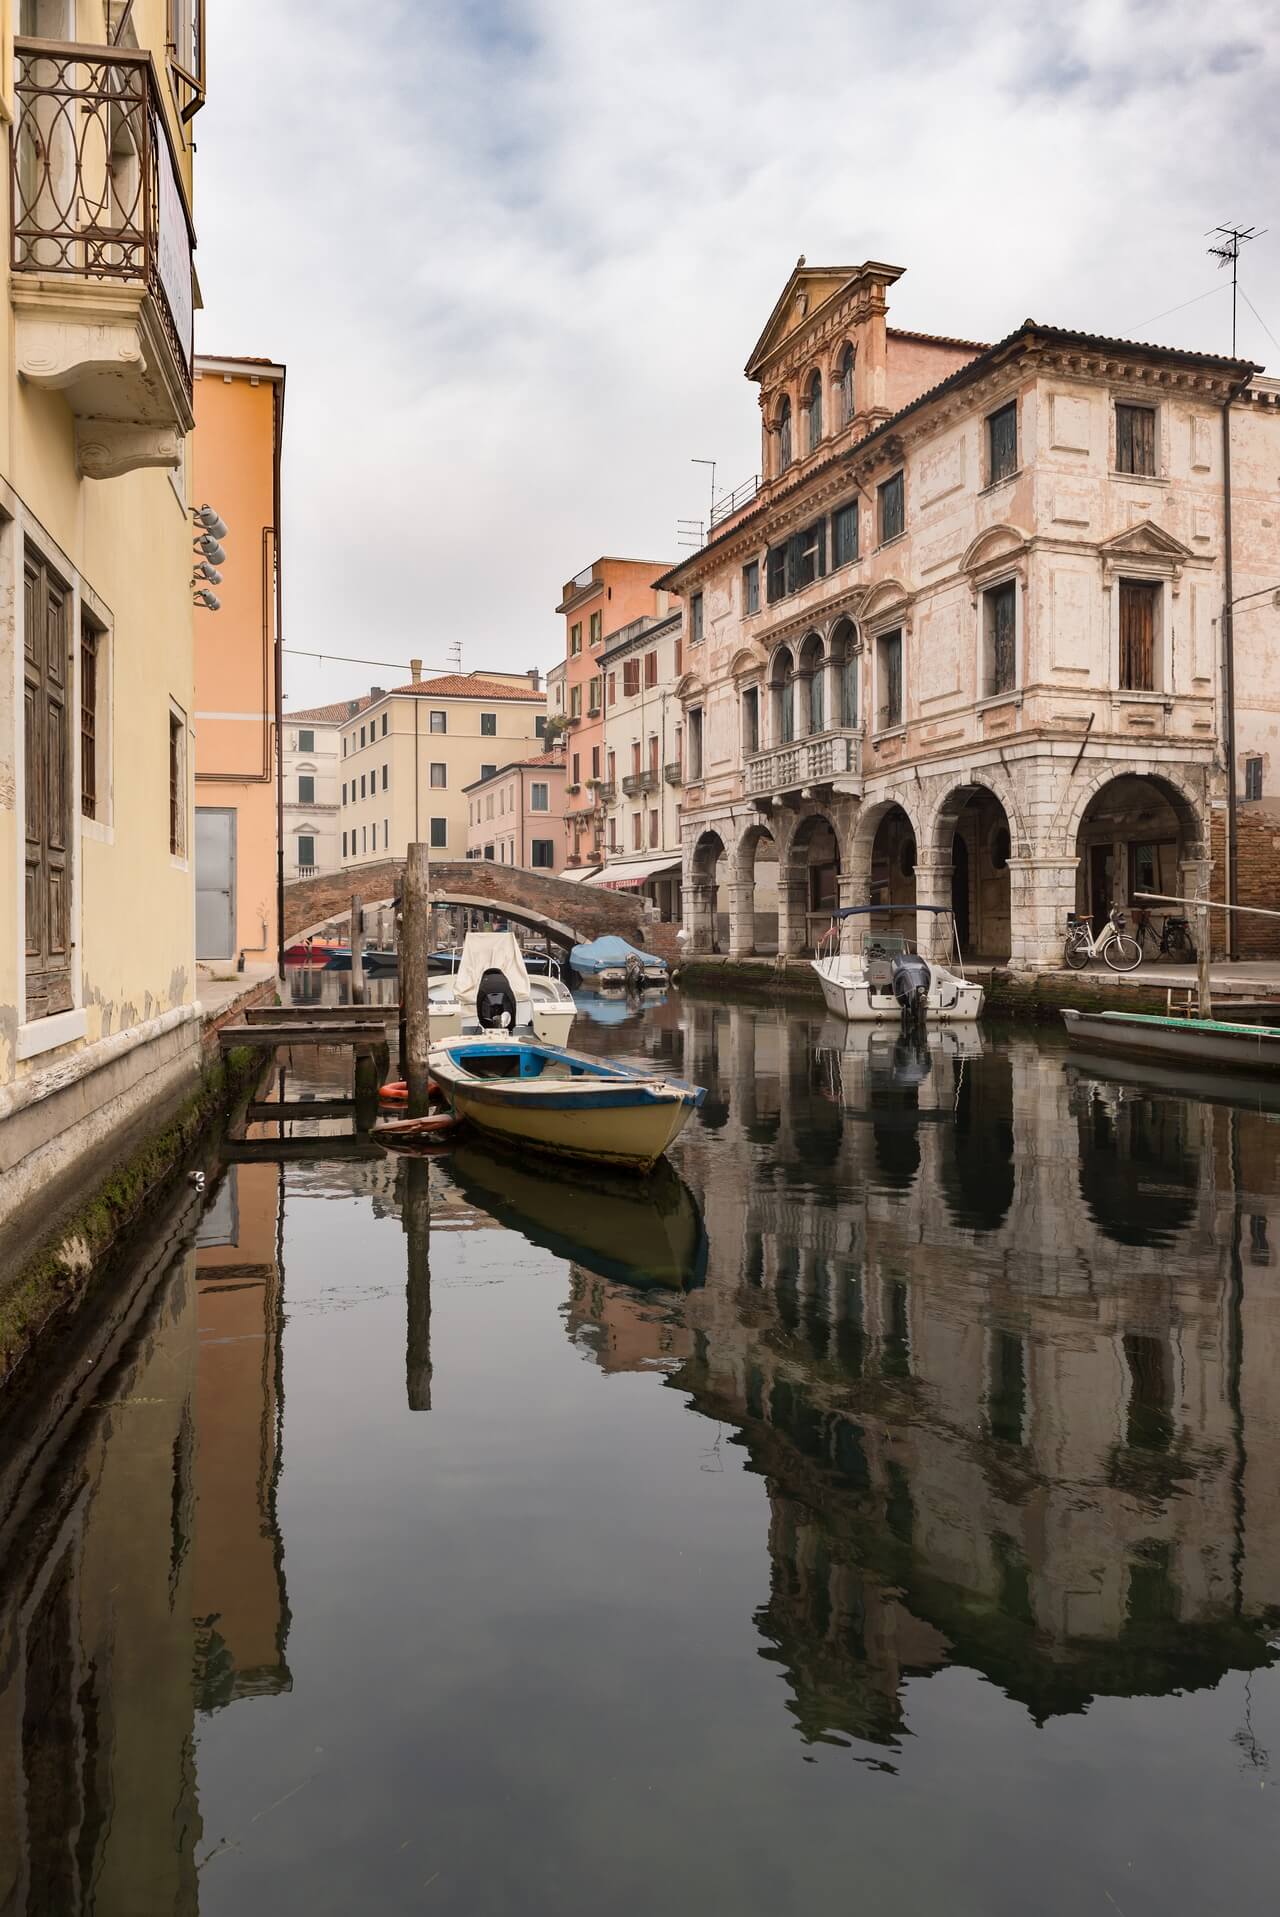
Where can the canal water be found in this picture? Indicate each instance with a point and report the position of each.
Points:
(878, 1511)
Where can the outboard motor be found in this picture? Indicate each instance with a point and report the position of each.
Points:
(911, 981)
(495, 1002)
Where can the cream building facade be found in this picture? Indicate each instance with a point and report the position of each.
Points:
(407, 759)
(640, 666)
(966, 640)
(97, 973)
(516, 815)
(312, 787)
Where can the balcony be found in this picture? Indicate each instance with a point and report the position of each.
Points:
(673, 772)
(606, 791)
(637, 783)
(100, 251)
(828, 758)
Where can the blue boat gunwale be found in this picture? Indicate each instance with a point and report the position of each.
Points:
(565, 1094)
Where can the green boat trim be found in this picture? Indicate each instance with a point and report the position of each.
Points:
(1182, 1024)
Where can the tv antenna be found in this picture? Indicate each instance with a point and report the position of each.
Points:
(1227, 253)
(691, 533)
(712, 464)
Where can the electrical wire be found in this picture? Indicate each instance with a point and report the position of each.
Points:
(1257, 315)
(1218, 288)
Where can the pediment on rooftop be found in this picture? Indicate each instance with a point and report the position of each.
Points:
(1146, 540)
(807, 293)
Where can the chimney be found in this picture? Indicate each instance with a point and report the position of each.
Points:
(376, 692)
(415, 670)
(535, 679)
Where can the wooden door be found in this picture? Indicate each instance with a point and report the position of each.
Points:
(47, 754)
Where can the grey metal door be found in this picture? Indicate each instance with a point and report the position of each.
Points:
(215, 882)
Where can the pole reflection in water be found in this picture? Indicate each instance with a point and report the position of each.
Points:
(884, 1495)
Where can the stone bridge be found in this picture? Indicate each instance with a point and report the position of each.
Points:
(567, 913)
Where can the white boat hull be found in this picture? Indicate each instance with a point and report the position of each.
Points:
(847, 994)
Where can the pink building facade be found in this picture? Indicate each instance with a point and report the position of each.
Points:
(516, 816)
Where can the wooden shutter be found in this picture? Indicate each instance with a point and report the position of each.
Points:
(47, 760)
(88, 718)
(1137, 637)
(653, 752)
(1136, 440)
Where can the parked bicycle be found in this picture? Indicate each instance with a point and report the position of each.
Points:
(1119, 948)
(1173, 941)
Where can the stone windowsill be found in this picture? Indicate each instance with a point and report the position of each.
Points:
(1140, 479)
(1013, 698)
(890, 732)
(1006, 479)
(45, 1034)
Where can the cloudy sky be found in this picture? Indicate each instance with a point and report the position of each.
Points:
(514, 253)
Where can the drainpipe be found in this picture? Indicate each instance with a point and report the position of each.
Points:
(1229, 682)
(277, 400)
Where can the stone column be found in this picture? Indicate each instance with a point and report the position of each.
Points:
(935, 938)
(699, 914)
(854, 888)
(800, 705)
(1195, 882)
(742, 917)
(1041, 893)
(792, 895)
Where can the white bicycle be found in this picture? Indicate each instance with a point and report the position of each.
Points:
(1118, 947)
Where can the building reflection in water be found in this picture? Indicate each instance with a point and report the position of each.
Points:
(1000, 1340)
(143, 1575)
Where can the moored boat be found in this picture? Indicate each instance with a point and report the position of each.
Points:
(885, 979)
(1191, 1041)
(565, 1103)
(611, 961)
(542, 1004)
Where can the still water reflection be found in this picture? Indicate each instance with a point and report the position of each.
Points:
(882, 1508)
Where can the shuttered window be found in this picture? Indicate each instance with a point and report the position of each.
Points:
(1136, 440)
(776, 573)
(651, 668)
(89, 637)
(177, 788)
(844, 534)
(1002, 443)
(811, 557)
(751, 586)
(1000, 617)
(815, 412)
(784, 435)
(1137, 636)
(892, 509)
(890, 648)
(47, 769)
(306, 788)
(630, 677)
(846, 386)
(695, 620)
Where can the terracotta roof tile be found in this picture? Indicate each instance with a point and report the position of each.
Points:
(332, 715)
(463, 685)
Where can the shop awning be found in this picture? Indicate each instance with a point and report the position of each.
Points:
(626, 875)
(578, 874)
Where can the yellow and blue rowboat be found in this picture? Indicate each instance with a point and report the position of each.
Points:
(549, 1100)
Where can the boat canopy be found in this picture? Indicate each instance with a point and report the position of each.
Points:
(609, 953)
(485, 951)
(852, 911)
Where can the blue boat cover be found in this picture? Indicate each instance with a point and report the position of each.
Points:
(607, 952)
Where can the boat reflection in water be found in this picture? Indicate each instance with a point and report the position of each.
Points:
(616, 1007)
(640, 1233)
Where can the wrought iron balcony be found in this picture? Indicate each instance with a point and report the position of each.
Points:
(819, 760)
(673, 772)
(637, 783)
(606, 791)
(101, 251)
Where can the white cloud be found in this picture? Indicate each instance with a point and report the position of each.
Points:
(515, 253)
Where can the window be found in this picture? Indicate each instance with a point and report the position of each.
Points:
(817, 697)
(344, 792)
(540, 726)
(635, 759)
(892, 509)
(502, 800)
(362, 735)
(307, 743)
(487, 771)
(575, 702)
(999, 622)
(751, 720)
(776, 573)
(386, 771)
(1136, 440)
(593, 701)
(362, 779)
(488, 725)
(1138, 606)
(1002, 443)
(677, 655)
(630, 677)
(539, 798)
(595, 762)
(577, 768)
(488, 852)
(695, 620)
(653, 753)
(811, 561)
(344, 843)
(612, 763)
(815, 412)
(439, 722)
(597, 628)
(845, 386)
(844, 534)
(751, 586)
(889, 661)
(651, 668)
(693, 769)
(784, 435)
(613, 688)
(543, 853)
(575, 638)
(439, 773)
(613, 833)
(344, 745)
(637, 831)
(439, 832)
(177, 787)
(653, 830)
(89, 642)
(374, 829)
(306, 788)
(1253, 776)
(384, 725)
(488, 805)
(364, 838)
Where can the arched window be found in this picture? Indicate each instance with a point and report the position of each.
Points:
(783, 694)
(845, 691)
(815, 412)
(813, 667)
(784, 434)
(846, 386)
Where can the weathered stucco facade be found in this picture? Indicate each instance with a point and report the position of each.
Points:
(964, 643)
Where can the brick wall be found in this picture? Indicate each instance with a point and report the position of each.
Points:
(1258, 875)
(589, 910)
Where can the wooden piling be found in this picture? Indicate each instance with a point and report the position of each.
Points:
(416, 1212)
(415, 947)
(357, 950)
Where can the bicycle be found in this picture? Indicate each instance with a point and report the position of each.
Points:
(1174, 942)
(1118, 947)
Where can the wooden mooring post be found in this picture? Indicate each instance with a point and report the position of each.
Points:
(357, 950)
(415, 963)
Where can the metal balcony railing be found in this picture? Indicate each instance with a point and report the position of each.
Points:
(813, 761)
(637, 783)
(728, 503)
(96, 190)
(606, 792)
(673, 772)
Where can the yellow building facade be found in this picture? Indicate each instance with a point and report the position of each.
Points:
(97, 975)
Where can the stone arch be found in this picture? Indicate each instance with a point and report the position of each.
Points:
(1140, 829)
(753, 917)
(810, 861)
(1189, 803)
(700, 890)
(844, 653)
(780, 681)
(973, 833)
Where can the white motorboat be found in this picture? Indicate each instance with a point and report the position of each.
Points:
(543, 1004)
(886, 979)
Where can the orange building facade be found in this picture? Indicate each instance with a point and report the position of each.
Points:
(239, 409)
(598, 602)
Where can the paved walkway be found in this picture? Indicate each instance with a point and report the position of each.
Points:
(221, 990)
(1248, 978)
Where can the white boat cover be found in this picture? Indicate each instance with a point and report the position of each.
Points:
(482, 951)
